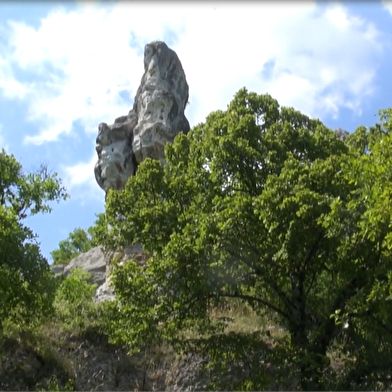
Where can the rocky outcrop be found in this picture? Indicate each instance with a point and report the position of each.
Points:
(58, 269)
(93, 262)
(156, 118)
(133, 252)
(116, 161)
(160, 102)
(97, 263)
(341, 134)
(90, 363)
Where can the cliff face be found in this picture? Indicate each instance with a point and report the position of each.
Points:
(156, 118)
(61, 361)
(97, 263)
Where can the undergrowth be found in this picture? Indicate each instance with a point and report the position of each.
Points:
(252, 343)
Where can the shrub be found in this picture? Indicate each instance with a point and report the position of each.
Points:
(74, 301)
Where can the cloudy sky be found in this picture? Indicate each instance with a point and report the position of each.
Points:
(66, 67)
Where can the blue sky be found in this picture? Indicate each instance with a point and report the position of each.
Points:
(66, 67)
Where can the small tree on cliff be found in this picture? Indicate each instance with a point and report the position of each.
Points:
(26, 284)
(78, 241)
(263, 204)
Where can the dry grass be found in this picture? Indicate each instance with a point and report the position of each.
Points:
(239, 317)
(57, 345)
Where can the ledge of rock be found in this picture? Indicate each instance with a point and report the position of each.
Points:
(97, 263)
(92, 262)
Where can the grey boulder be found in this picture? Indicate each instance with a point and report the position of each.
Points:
(93, 262)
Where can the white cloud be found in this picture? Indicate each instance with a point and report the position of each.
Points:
(387, 5)
(315, 60)
(80, 181)
(324, 60)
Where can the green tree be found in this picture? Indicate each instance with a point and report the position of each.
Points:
(74, 299)
(369, 313)
(267, 206)
(26, 284)
(78, 241)
(96, 230)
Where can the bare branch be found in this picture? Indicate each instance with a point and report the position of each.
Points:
(258, 300)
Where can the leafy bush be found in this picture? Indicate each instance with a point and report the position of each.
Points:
(79, 241)
(53, 385)
(74, 300)
(26, 284)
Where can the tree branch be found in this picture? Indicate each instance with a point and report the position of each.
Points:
(340, 303)
(313, 250)
(255, 299)
(261, 273)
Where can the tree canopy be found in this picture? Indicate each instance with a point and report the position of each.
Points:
(78, 241)
(26, 284)
(265, 205)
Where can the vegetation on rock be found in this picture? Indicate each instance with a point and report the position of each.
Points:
(266, 206)
(74, 299)
(270, 241)
(78, 241)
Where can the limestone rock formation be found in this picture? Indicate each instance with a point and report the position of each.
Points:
(97, 263)
(341, 134)
(58, 269)
(156, 118)
(94, 262)
(160, 102)
(116, 161)
(134, 252)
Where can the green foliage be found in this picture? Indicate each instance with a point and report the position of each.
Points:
(263, 204)
(26, 284)
(79, 241)
(53, 385)
(74, 301)
(369, 314)
(239, 353)
(95, 230)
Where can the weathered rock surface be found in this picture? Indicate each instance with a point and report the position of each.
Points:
(116, 162)
(95, 365)
(341, 134)
(160, 102)
(156, 118)
(91, 365)
(135, 252)
(58, 269)
(97, 263)
(92, 262)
